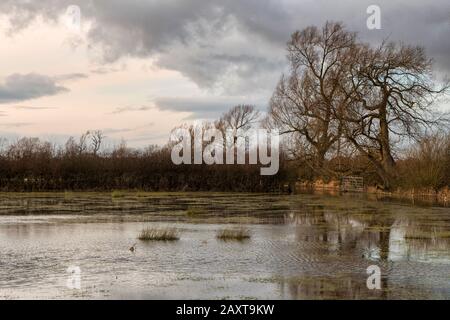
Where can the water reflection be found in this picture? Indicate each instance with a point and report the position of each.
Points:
(375, 236)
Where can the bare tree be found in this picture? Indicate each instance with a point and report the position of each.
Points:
(393, 95)
(29, 148)
(96, 141)
(427, 163)
(340, 88)
(242, 116)
(238, 119)
(82, 143)
(307, 100)
(3, 145)
(235, 123)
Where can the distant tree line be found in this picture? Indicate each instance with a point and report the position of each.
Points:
(30, 164)
(344, 108)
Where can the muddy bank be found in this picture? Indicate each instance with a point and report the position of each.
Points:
(414, 196)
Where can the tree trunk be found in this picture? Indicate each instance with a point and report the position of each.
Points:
(320, 159)
(387, 161)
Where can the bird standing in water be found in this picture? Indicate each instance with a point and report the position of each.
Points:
(133, 247)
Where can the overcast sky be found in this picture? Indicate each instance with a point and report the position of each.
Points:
(137, 68)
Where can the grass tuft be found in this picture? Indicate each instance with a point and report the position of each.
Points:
(193, 211)
(158, 234)
(238, 234)
(117, 194)
(68, 195)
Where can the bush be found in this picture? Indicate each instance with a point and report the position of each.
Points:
(427, 164)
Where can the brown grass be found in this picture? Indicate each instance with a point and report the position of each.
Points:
(234, 234)
(158, 234)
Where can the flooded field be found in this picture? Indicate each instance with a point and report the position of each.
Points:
(299, 247)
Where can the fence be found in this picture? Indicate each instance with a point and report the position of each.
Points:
(352, 184)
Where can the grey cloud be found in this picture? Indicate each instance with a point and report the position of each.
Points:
(70, 77)
(106, 70)
(32, 108)
(235, 45)
(116, 130)
(20, 87)
(122, 130)
(203, 108)
(130, 109)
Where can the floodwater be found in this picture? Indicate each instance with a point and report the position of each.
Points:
(76, 246)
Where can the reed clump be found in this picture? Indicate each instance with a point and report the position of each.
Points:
(238, 234)
(158, 234)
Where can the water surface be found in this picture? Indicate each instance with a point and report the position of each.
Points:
(301, 247)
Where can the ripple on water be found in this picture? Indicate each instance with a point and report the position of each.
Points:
(302, 247)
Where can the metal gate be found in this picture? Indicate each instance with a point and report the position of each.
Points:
(352, 184)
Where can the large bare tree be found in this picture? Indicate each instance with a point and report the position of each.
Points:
(393, 95)
(306, 101)
(371, 97)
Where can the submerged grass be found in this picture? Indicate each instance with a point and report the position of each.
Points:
(238, 234)
(68, 195)
(117, 194)
(193, 211)
(423, 235)
(158, 234)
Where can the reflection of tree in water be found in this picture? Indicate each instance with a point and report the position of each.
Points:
(371, 234)
(337, 287)
(416, 240)
(364, 236)
(340, 230)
